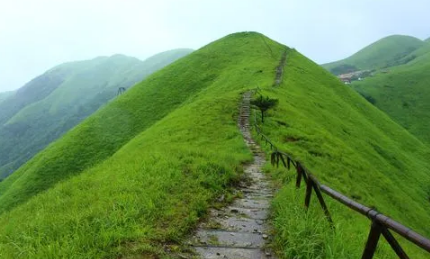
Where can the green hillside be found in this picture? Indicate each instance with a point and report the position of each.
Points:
(387, 52)
(404, 93)
(51, 104)
(427, 40)
(141, 171)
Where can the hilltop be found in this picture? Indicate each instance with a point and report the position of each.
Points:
(54, 102)
(387, 52)
(401, 89)
(136, 176)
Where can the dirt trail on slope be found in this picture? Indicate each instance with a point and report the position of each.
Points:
(280, 69)
(240, 230)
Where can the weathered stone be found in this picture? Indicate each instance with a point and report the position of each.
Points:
(226, 238)
(232, 253)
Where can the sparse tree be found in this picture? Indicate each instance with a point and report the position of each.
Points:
(264, 104)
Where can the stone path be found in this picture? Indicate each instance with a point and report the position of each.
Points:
(280, 69)
(240, 230)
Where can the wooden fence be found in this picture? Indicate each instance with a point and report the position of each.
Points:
(380, 224)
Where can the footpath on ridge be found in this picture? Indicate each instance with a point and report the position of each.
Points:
(240, 230)
(280, 69)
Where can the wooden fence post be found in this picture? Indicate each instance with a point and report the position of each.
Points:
(372, 241)
(393, 243)
(299, 175)
(322, 202)
(308, 192)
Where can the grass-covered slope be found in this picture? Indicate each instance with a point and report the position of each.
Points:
(141, 171)
(404, 93)
(354, 148)
(387, 52)
(53, 103)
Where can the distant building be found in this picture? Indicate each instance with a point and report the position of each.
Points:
(353, 76)
(346, 81)
(345, 78)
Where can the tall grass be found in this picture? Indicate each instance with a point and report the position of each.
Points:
(352, 147)
(142, 171)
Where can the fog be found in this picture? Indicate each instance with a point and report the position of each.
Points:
(37, 35)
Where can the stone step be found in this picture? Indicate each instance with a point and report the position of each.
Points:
(255, 183)
(239, 224)
(259, 196)
(257, 192)
(228, 239)
(243, 213)
(251, 204)
(231, 253)
(255, 187)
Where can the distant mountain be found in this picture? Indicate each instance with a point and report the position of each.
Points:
(5, 95)
(427, 40)
(163, 58)
(403, 92)
(54, 102)
(387, 52)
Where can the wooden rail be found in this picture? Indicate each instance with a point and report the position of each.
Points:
(380, 224)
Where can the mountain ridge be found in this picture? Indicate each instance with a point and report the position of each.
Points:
(54, 102)
(145, 168)
(383, 53)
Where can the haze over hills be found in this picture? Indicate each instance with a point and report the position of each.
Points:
(141, 171)
(402, 90)
(4, 95)
(54, 102)
(386, 52)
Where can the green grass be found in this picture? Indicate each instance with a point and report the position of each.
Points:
(386, 52)
(354, 148)
(404, 93)
(142, 171)
(51, 104)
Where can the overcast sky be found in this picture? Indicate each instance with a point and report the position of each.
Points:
(36, 35)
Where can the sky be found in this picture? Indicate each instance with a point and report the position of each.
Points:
(38, 35)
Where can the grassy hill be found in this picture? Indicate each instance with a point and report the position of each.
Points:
(141, 171)
(404, 93)
(51, 104)
(387, 52)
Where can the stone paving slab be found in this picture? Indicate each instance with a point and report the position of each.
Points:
(251, 203)
(228, 238)
(230, 253)
(246, 212)
(241, 224)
